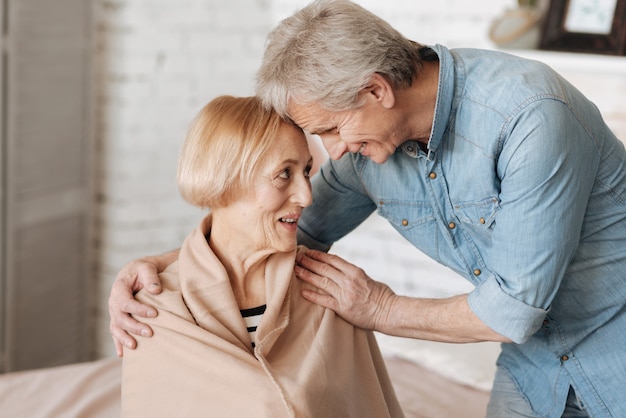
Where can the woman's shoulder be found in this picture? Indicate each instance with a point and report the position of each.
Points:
(171, 298)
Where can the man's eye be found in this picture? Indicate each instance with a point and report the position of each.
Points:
(285, 174)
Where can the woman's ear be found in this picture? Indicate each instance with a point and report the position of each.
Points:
(381, 90)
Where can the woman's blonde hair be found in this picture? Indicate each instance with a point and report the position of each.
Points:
(224, 146)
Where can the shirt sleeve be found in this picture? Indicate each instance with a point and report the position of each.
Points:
(340, 203)
(547, 170)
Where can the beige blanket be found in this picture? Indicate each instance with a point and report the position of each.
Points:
(308, 362)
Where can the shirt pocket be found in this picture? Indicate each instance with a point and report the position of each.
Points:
(405, 215)
(478, 213)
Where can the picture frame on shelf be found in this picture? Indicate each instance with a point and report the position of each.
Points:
(587, 26)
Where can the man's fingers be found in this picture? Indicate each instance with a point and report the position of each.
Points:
(318, 267)
(133, 307)
(119, 349)
(322, 282)
(146, 278)
(121, 330)
(123, 326)
(136, 276)
(330, 260)
(154, 288)
(321, 299)
(121, 340)
(121, 301)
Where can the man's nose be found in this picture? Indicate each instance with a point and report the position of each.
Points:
(334, 145)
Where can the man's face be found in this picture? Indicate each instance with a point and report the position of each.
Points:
(368, 130)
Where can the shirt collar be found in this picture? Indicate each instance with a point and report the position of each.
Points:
(445, 95)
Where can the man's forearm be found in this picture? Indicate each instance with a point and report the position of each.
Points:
(445, 320)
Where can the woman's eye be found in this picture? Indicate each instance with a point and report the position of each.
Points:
(307, 171)
(285, 174)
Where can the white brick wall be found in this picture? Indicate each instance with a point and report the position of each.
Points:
(159, 61)
(452, 23)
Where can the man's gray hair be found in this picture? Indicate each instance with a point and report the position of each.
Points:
(326, 53)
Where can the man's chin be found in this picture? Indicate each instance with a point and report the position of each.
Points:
(379, 159)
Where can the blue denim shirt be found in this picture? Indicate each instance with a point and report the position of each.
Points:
(522, 191)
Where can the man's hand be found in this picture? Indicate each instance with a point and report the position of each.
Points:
(346, 289)
(134, 276)
(368, 304)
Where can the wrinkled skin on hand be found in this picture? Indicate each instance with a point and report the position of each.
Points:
(346, 289)
(134, 276)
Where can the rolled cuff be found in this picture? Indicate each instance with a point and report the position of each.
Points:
(503, 313)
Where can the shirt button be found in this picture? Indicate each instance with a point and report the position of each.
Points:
(564, 357)
(405, 222)
(482, 220)
(410, 148)
(477, 272)
(451, 225)
(433, 175)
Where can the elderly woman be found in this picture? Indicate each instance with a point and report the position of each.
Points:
(233, 335)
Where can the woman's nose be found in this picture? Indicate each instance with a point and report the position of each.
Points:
(303, 194)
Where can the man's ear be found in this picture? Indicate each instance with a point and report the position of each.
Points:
(381, 90)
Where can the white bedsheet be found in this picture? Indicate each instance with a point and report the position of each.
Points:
(92, 390)
(89, 390)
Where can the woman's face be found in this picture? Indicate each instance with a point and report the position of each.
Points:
(267, 214)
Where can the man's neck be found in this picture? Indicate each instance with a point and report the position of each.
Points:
(417, 102)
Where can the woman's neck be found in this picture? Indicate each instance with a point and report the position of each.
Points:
(244, 265)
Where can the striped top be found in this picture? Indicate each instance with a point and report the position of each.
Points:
(252, 317)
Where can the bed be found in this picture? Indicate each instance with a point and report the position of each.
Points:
(92, 389)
